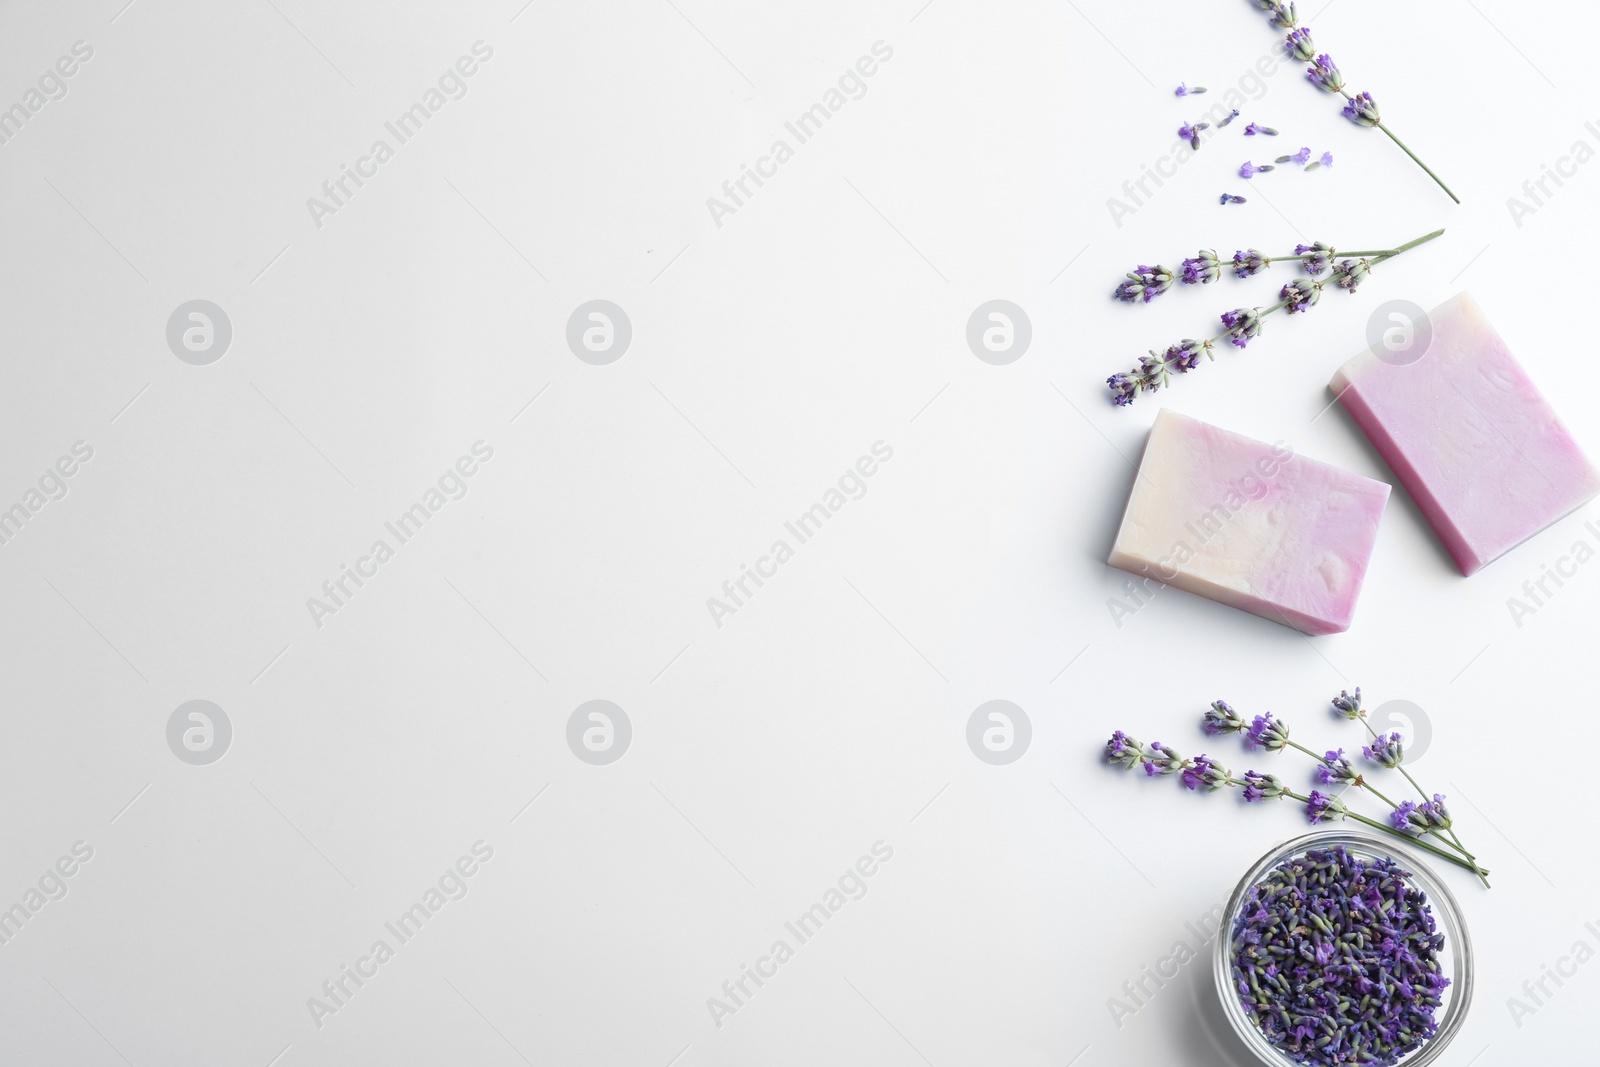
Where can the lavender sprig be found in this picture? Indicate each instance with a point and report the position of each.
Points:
(1144, 283)
(1241, 325)
(1204, 774)
(1359, 108)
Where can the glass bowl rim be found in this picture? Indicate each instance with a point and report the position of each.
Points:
(1447, 912)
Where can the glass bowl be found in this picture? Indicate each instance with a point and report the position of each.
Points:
(1455, 957)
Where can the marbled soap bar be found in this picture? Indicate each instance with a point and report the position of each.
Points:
(1468, 434)
(1251, 525)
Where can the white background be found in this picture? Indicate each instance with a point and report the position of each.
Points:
(768, 354)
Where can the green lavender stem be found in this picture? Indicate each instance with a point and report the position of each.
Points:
(1419, 163)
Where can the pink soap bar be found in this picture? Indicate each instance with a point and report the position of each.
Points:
(1250, 525)
(1468, 434)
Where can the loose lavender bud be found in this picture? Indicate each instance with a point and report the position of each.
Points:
(1227, 121)
(1250, 170)
(1327, 159)
(1352, 272)
(1242, 325)
(1246, 263)
(1300, 294)
(1324, 75)
(1184, 90)
(1320, 806)
(1203, 772)
(1162, 760)
(1347, 704)
(1229, 198)
(1202, 269)
(1191, 133)
(1268, 733)
(1336, 770)
(1220, 718)
(1124, 751)
(1362, 110)
(1301, 157)
(1298, 44)
(1260, 787)
(1255, 128)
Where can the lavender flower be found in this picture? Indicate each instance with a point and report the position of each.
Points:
(1145, 283)
(1321, 805)
(1162, 760)
(1191, 133)
(1348, 705)
(1281, 15)
(1324, 75)
(1246, 263)
(1436, 813)
(1317, 257)
(1336, 770)
(1262, 787)
(1410, 818)
(1203, 772)
(1301, 157)
(1229, 120)
(1250, 170)
(1185, 357)
(1229, 198)
(1268, 733)
(1327, 159)
(1351, 272)
(1184, 90)
(1299, 46)
(1220, 718)
(1124, 751)
(1385, 749)
(1300, 295)
(1202, 269)
(1362, 110)
(1255, 128)
(1123, 389)
(1241, 326)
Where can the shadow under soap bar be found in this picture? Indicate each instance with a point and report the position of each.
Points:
(1468, 434)
(1249, 524)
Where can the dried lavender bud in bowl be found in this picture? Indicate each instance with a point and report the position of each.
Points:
(1343, 948)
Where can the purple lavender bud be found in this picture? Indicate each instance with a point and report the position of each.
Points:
(1184, 90)
(1228, 121)
(1123, 389)
(1229, 198)
(1162, 760)
(1362, 110)
(1220, 718)
(1301, 157)
(1299, 46)
(1266, 732)
(1256, 127)
(1191, 133)
(1336, 770)
(1259, 787)
(1351, 272)
(1300, 294)
(1385, 749)
(1348, 704)
(1318, 262)
(1438, 815)
(1327, 159)
(1185, 357)
(1324, 75)
(1409, 818)
(1282, 16)
(1202, 269)
(1249, 262)
(1320, 806)
(1247, 170)
(1204, 773)
(1144, 283)
(1124, 751)
(1243, 325)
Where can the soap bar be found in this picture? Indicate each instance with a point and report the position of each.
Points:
(1467, 433)
(1250, 525)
